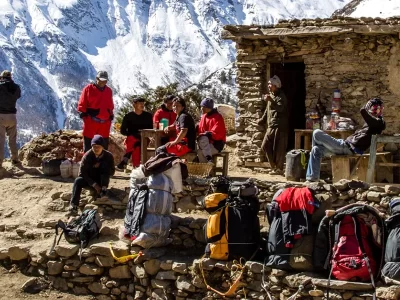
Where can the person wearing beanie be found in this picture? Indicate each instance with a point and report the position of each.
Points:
(132, 123)
(95, 107)
(324, 145)
(10, 92)
(211, 132)
(166, 112)
(97, 167)
(185, 139)
(275, 119)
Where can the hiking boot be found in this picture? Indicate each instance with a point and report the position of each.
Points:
(121, 166)
(72, 210)
(15, 162)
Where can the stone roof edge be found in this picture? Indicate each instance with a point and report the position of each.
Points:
(296, 27)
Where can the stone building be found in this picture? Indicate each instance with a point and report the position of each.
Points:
(361, 57)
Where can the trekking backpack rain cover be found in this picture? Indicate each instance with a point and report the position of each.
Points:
(80, 230)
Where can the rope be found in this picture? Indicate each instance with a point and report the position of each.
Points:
(126, 258)
(300, 289)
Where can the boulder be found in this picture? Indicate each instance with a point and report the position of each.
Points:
(67, 250)
(35, 285)
(152, 266)
(120, 272)
(98, 288)
(179, 268)
(166, 275)
(120, 249)
(184, 284)
(3, 253)
(104, 261)
(139, 271)
(91, 270)
(18, 252)
(54, 267)
(185, 204)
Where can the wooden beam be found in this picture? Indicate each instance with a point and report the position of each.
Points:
(388, 139)
(375, 29)
(372, 159)
(257, 164)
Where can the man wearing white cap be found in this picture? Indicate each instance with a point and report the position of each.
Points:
(275, 119)
(96, 107)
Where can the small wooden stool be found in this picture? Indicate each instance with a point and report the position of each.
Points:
(225, 162)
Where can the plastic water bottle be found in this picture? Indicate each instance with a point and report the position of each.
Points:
(325, 123)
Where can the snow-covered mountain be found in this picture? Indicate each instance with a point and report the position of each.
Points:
(54, 47)
(371, 8)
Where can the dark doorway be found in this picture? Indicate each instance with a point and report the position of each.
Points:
(294, 87)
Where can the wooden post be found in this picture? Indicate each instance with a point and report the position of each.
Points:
(372, 159)
(143, 147)
(297, 140)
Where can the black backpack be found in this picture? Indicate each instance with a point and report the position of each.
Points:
(80, 230)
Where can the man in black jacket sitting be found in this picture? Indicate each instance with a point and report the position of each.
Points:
(97, 166)
(325, 145)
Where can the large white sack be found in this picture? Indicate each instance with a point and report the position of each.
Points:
(137, 177)
(156, 224)
(147, 240)
(159, 202)
(160, 182)
(175, 175)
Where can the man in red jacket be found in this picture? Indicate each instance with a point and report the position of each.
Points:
(166, 112)
(96, 107)
(211, 132)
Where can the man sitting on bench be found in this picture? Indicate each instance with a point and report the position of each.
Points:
(325, 145)
(211, 132)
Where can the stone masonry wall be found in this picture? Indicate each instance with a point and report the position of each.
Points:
(361, 66)
(174, 272)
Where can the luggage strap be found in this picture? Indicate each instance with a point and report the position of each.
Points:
(126, 258)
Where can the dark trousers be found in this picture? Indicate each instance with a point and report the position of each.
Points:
(87, 143)
(103, 179)
(274, 146)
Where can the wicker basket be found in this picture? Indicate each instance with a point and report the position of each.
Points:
(199, 169)
(229, 124)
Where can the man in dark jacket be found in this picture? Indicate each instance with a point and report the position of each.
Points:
(131, 124)
(211, 132)
(96, 107)
(185, 141)
(325, 145)
(9, 94)
(97, 166)
(166, 112)
(276, 120)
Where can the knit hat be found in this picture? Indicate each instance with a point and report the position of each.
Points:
(102, 75)
(375, 107)
(275, 81)
(5, 74)
(394, 203)
(207, 103)
(97, 140)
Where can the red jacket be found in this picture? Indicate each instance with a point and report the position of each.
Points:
(95, 102)
(214, 123)
(162, 113)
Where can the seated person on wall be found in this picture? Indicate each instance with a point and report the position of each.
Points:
(211, 132)
(325, 145)
(97, 166)
(131, 124)
(166, 112)
(185, 140)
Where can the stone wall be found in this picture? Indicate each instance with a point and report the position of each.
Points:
(174, 272)
(360, 65)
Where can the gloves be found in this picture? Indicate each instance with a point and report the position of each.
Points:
(83, 114)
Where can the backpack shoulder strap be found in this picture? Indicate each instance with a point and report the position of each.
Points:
(60, 224)
(358, 235)
(331, 252)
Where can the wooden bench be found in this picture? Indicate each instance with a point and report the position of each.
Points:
(225, 163)
(356, 166)
(374, 155)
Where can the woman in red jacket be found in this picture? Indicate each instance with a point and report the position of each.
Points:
(211, 132)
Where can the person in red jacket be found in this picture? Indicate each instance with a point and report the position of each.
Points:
(96, 107)
(211, 132)
(166, 112)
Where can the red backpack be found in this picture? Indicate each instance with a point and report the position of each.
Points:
(352, 257)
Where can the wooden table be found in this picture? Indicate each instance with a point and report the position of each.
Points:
(307, 134)
(156, 134)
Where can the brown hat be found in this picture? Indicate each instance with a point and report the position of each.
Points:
(5, 74)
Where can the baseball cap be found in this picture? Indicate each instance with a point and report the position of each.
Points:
(102, 75)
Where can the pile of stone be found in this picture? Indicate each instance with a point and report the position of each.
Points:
(63, 144)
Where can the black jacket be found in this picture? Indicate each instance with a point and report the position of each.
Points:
(132, 123)
(10, 92)
(135, 210)
(361, 139)
(90, 172)
(391, 269)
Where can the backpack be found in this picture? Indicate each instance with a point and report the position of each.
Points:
(350, 243)
(391, 269)
(80, 230)
(243, 189)
(232, 230)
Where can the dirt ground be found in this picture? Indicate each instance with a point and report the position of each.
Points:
(31, 204)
